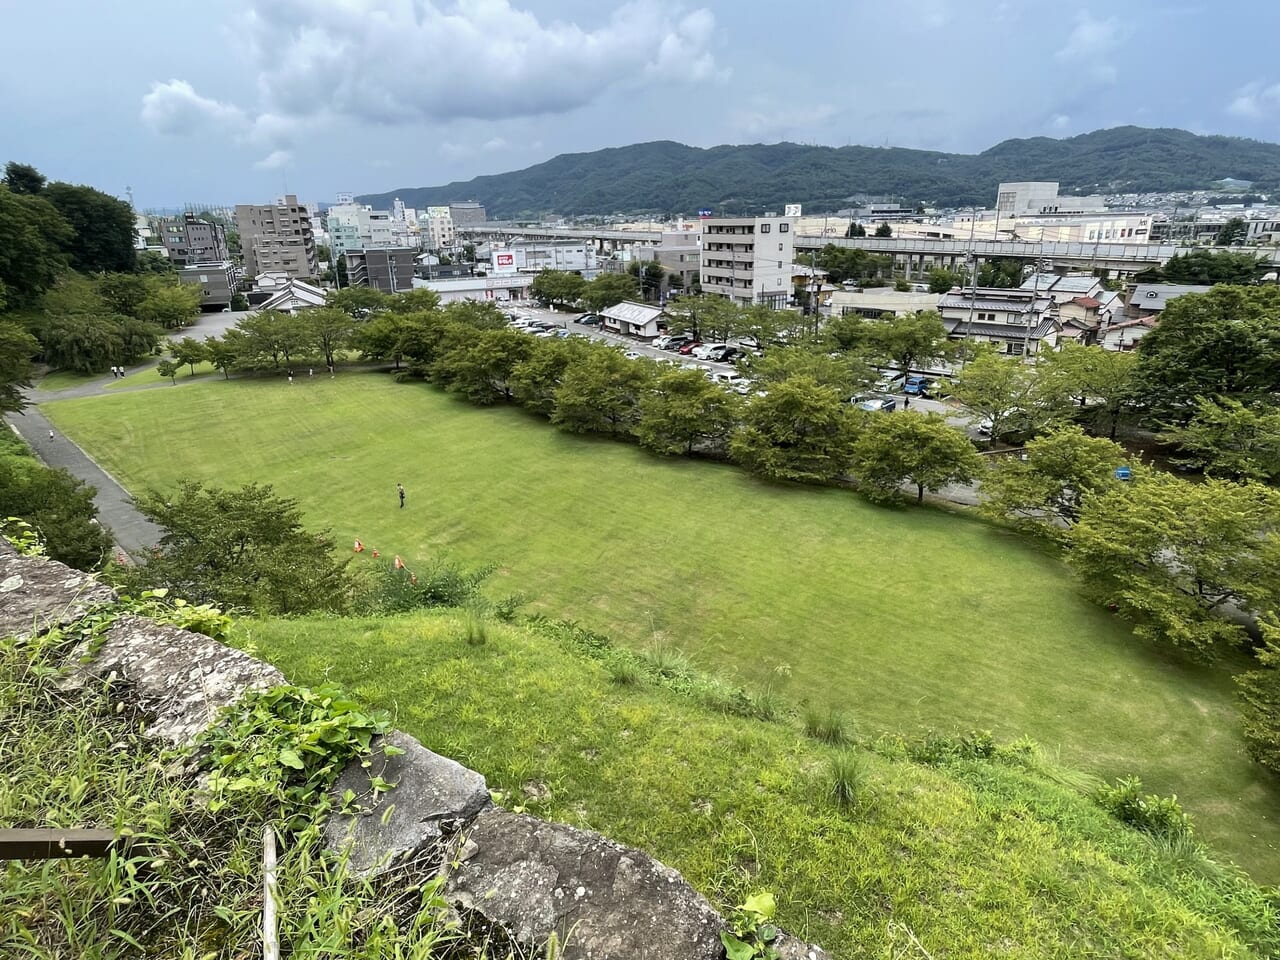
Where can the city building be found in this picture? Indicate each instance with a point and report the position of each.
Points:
(466, 213)
(277, 237)
(500, 289)
(389, 269)
(357, 226)
(435, 228)
(1038, 198)
(880, 302)
(1016, 321)
(748, 259)
(633, 319)
(535, 255)
(217, 280)
(680, 253)
(189, 239)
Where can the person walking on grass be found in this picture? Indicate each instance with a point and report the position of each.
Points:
(400, 490)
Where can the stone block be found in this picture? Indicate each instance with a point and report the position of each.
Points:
(433, 797)
(602, 900)
(37, 594)
(180, 678)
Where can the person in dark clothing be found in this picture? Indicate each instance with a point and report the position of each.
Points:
(400, 490)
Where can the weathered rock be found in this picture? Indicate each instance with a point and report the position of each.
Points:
(182, 679)
(791, 948)
(433, 796)
(37, 594)
(602, 900)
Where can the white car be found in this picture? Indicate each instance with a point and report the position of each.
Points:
(704, 352)
(734, 381)
(633, 355)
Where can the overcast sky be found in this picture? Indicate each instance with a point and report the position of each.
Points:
(232, 100)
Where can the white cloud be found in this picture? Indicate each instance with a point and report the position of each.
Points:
(1088, 45)
(407, 61)
(1060, 122)
(1255, 100)
(275, 160)
(175, 108)
(497, 143)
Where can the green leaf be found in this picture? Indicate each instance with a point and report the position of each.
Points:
(734, 948)
(762, 904)
(391, 751)
(290, 758)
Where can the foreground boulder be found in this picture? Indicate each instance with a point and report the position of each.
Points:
(37, 595)
(601, 900)
(433, 797)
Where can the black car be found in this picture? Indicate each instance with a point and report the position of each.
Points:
(675, 345)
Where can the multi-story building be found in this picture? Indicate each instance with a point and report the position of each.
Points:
(1017, 321)
(466, 213)
(749, 259)
(217, 281)
(1039, 198)
(535, 255)
(435, 227)
(389, 269)
(189, 239)
(357, 226)
(277, 237)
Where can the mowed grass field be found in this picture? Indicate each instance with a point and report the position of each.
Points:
(910, 619)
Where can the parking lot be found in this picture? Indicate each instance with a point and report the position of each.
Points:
(565, 320)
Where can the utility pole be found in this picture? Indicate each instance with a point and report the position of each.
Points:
(1035, 299)
(973, 288)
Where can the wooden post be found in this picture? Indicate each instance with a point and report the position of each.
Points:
(270, 933)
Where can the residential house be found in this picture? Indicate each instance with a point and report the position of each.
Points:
(1017, 321)
(1150, 299)
(1125, 334)
(1061, 289)
(1081, 318)
(633, 319)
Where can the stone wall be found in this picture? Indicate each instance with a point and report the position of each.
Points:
(502, 871)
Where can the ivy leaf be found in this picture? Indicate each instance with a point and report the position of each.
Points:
(290, 758)
(392, 751)
(762, 904)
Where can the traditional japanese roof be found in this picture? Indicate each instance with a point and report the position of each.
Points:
(632, 312)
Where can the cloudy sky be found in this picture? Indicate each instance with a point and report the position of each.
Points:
(233, 100)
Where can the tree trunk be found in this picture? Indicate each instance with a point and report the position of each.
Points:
(919, 493)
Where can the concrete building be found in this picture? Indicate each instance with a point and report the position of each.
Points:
(465, 213)
(217, 280)
(501, 289)
(389, 269)
(357, 226)
(1037, 198)
(535, 255)
(1016, 321)
(680, 254)
(435, 228)
(189, 239)
(748, 259)
(277, 237)
(880, 302)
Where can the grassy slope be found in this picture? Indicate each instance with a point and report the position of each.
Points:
(979, 859)
(909, 619)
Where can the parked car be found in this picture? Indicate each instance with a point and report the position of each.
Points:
(703, 351)
(890, 382)
(589, 320)
(749, 343)
(733, 381)
(875, 404)
(917, 386)
(675, 343)
(633, 355)
(666, 341)
(689, 346)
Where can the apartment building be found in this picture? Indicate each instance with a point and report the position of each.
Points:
(189, 239)
(277, 237)
(435, 227)
(748, 259)
(357, 226)
(389, 269)
(217, 280)
(465, 213)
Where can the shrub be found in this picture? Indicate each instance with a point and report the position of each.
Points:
(848, 775)
(825, 725)
(442, 584)
(1161, 816)
(937, 749)
(625, 671)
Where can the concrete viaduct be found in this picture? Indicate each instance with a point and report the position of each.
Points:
(915, 255)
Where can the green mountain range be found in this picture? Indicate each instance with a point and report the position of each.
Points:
(671, 178)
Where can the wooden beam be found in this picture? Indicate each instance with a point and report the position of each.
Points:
(56, 843)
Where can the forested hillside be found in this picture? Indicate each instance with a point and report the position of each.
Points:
(669, 177)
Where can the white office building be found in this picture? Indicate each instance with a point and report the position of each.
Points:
(748, 259)
(357, 226)
(435, 228)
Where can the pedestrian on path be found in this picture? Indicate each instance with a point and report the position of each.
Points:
(51, 437)
(400, 490)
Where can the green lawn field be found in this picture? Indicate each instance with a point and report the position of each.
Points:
(910, 619)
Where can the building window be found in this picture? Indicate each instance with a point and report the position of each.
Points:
(765, 228)
(1013, 349)
(784, 227)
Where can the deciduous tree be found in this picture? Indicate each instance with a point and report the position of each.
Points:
(331, 330)
(480, 366)
(102, 225)
(170, 304)
(800, 430)
(1227, 439)
(601, 393)
(558, 287)
(1260, 691)
(1007, 394)
(684, 410)
(245, 547)
(609, 289)
(1043, 490)
(1170, 555)
(188, 352)
(893, 449)
(33, 240)
(535, 379)
(1103, 378)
